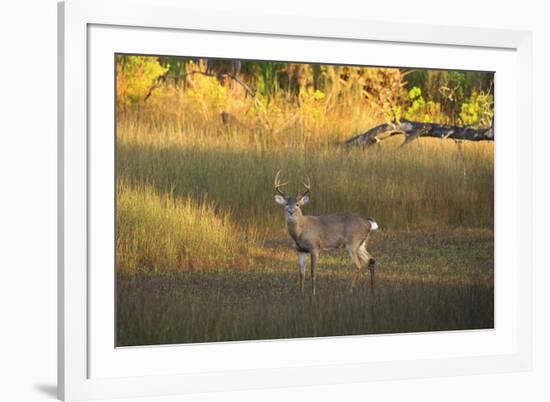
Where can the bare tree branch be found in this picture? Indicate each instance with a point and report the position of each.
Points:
(412, 130)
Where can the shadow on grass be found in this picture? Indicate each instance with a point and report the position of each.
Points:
(207, 307)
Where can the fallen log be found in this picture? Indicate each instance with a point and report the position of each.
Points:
(412, 130)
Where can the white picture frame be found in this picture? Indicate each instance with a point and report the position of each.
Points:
(90, 368)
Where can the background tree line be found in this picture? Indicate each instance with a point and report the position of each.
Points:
(464, 98)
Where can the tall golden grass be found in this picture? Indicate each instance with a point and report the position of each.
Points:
(163, 232)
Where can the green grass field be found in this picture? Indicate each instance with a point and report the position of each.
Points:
(202, 252)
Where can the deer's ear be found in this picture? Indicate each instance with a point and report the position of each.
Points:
(303, 200)
(279, 199)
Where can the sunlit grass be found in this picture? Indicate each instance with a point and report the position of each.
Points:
(160, 232)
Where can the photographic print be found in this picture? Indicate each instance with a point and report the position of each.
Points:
(260, 199)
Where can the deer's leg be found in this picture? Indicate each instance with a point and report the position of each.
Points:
(367, 258)
(314, 258)
(302, 263)
(371, 272)
(354, 254)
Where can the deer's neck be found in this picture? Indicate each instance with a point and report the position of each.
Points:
(294, 226)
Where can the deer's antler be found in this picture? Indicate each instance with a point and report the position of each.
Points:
(307, 186)
(278, 184)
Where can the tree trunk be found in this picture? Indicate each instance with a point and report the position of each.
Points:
(412, 130)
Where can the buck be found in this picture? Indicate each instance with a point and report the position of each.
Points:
(311, 234)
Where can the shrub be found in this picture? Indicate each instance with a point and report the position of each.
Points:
(136, 75)
(421, 110)
(478, 111)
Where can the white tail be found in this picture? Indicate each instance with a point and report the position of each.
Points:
(373, 224)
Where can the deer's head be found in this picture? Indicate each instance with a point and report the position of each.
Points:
(292, 204)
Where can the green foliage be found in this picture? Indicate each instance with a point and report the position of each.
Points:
(478, 111)
(209, 91)
(449, 88)
(176, 66)
(267, 83)
(421, 110)
(136, 75)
